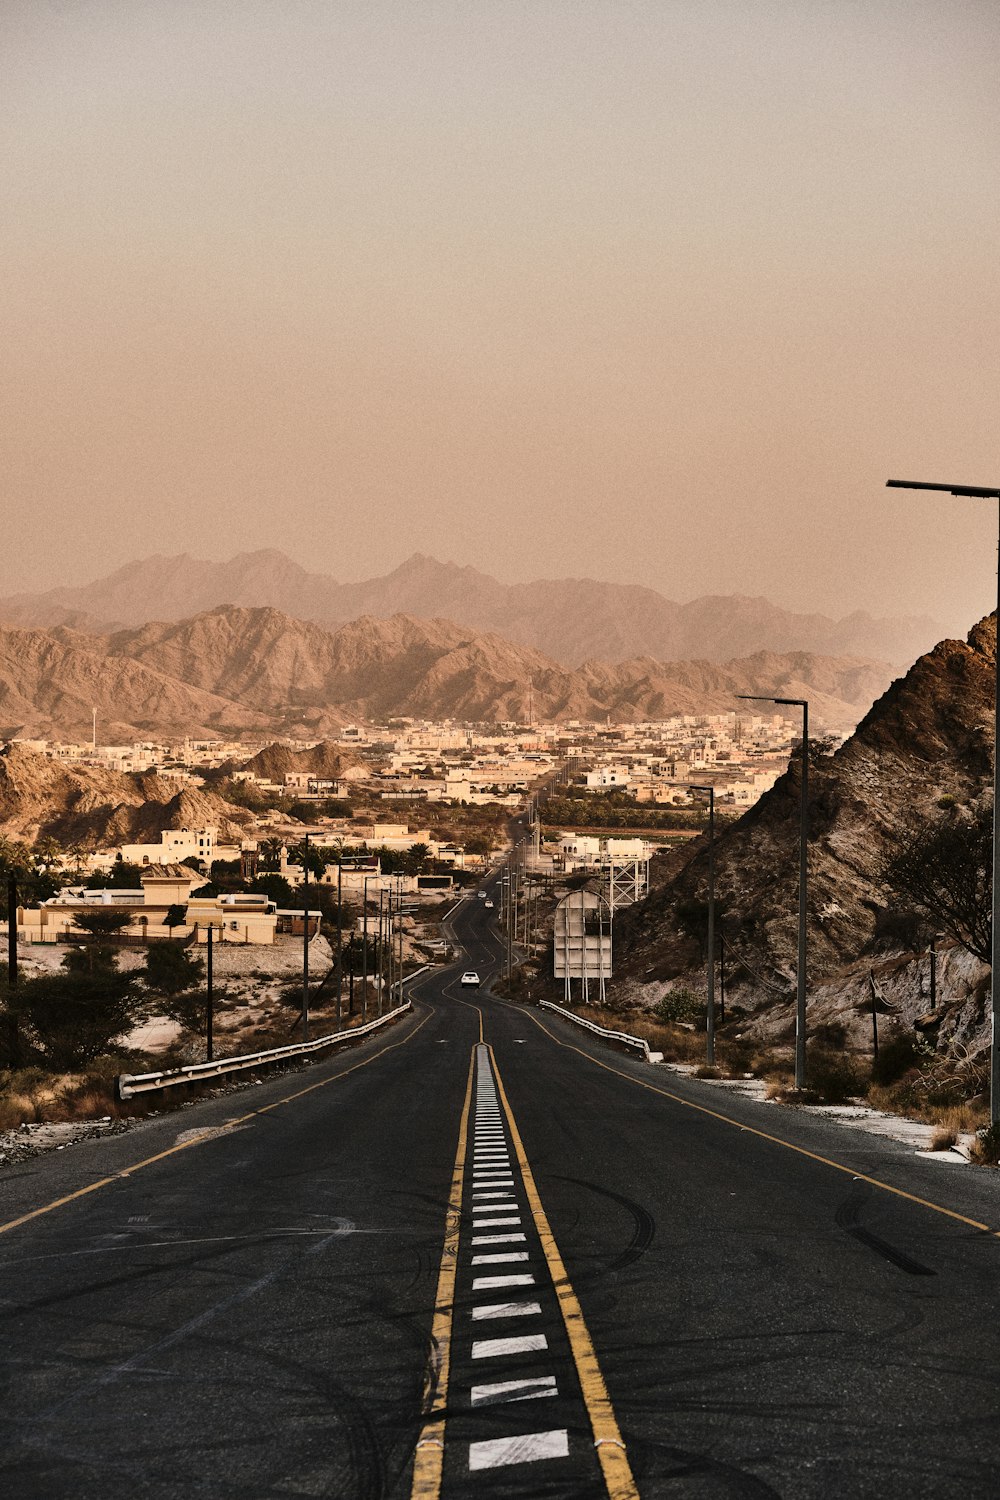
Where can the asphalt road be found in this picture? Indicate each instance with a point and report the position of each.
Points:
(484, 1255)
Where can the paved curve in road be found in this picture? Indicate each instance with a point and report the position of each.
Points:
(482, 1255)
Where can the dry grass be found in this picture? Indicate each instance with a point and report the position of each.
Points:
(31, 1096)
(962, 1118)
(986, 1146)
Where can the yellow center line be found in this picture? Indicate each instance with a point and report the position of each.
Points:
(607, 1436)
(428, 1458)
(217, 1131)
(764, 1135)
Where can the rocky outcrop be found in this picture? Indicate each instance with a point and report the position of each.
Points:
(87, 808)
(926, 744)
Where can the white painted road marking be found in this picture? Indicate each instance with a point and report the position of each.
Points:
(514, 1390)
(495, 1283)
(527, 1343)
(519, 1450)
(491, 1223)
(506, 1310)
(497, 1260)
(498, 1239)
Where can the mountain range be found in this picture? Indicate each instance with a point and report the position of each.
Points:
(243, 671)
(572, 620)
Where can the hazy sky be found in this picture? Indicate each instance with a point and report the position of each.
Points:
(656, 292)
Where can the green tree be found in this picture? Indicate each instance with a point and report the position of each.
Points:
(945, 872)
(121, 876)
(70, 1019)
(170, 969)
(274, 887)
(103, 922)
(416, 858)
(189, 1009)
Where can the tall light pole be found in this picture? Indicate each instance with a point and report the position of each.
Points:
(696, 786)
(305, 939)
(980, 492)
(800, 967)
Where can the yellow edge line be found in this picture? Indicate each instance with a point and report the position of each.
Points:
(428, 1457)
(775, 1140)
(607, 1436)
(148, 1161)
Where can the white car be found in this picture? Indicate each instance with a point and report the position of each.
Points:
(481, 895)
(489, 905)
(470, 977)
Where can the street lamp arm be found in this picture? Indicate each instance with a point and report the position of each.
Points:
(975, 491)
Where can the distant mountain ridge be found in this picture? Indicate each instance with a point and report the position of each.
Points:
(570, 619)
(239, 670)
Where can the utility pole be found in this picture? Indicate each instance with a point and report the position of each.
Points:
(934, 943)
(983, 492)
(800, 967)
(209, 1002)
(340, 921)
(378, 954)
(400, 974)
(364, 948)
(305, 939)
(12, 929)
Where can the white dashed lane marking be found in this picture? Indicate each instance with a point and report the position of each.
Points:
(506, 1310)
(496, 1283)
(498, 1348)
(494, 1200)
(514, 1390)
(528, 1448)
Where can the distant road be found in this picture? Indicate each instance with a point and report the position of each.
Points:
(539, 1266)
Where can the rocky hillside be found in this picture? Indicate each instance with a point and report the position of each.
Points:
(927, 741)
(274, 762)
(51, 681)
(569, 619)
(87, 808)
(251, 669)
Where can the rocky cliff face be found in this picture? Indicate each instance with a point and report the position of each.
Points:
(87, 808)
(928, 738)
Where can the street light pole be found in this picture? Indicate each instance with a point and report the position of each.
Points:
(800, 967)
(695, 786)
(364, 950)
(980, 492)
(305, 939)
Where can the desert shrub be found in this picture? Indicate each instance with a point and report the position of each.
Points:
(898, 927)
(682, 1007)
(770, 1065)
(986, 1146)
(835, 1076)
(897, 1056)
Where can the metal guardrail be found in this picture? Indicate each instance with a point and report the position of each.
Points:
(638, 1042)
(127, 1085)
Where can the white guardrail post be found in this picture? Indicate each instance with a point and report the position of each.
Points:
(127, 1085)
(640, 1043)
